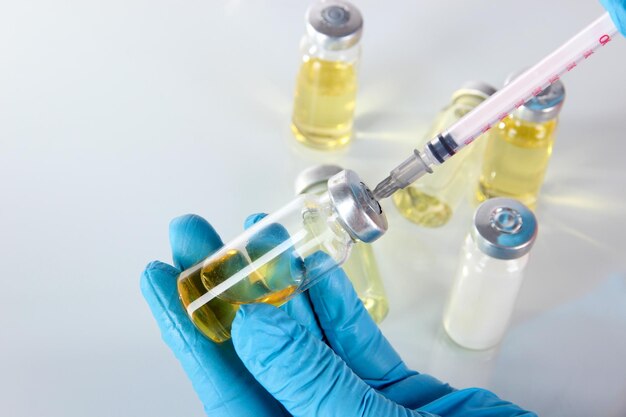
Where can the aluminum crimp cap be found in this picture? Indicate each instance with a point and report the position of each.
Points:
(314, 175)
(357, 209)
(543, 107)
(504, 228)
(334, 24)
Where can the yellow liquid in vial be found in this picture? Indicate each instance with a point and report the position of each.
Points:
(432, 201)
(324, 103)
(515, 161)
(363, 272)
(376, 306)
(214, 318)
(422, 208)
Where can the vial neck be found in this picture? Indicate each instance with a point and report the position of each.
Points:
(313, 49)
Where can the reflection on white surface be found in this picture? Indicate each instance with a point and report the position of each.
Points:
(462, 368)
(588, 203)
(584, 237)
(571, 356)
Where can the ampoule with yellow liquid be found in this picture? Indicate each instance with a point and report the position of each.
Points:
(282, 254)
(518, 149)
(431, 201)
(326, 84)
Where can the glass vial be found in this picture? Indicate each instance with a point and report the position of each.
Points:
(490, 273)
(519, 147)
(360, 267)
(432, 200)
(281, 255)
(326, 84)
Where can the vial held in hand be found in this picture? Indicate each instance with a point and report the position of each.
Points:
(360, 267)
(281, 255)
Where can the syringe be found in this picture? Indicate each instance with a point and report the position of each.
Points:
(514, 95)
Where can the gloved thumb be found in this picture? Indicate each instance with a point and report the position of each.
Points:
(301, 371)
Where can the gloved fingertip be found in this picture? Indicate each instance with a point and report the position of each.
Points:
(181, 222)
(300, 309)
(334, 296)
(158, 285)
(192, 238)
(241, 314)
(259, 330)
(160, 266)
(256, 318)
(252, 219)
(156, 273)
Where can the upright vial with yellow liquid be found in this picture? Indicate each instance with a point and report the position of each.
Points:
(281, 255)
(518, 149)
(360, 267)
(326, 84)
(431, 201)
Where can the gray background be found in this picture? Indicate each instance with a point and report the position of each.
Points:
(116, 116)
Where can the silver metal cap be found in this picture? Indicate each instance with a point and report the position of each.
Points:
(315, 175)
(358, 211)
(334, 24)
(504, 228)
(474, 88)
(543, 107)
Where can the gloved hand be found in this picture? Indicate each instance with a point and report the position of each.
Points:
(319, 355)
(617, 10)
(218, 376)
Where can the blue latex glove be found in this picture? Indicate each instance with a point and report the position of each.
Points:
(320, 355)
(617, 10)
(218, 376)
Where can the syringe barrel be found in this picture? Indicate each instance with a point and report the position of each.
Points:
(514, 95)
(442, 147)
(530, 83)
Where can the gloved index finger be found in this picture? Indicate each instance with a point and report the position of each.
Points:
(350, 331)
(192, 239)
(299, 308)
(301, 371)
(216, 372)
(354, 336)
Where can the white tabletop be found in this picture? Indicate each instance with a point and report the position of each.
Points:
(117, 116)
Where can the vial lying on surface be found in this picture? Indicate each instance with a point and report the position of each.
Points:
(281, 255)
